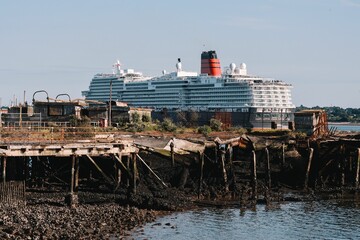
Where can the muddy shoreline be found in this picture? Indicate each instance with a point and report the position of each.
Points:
(237, 173)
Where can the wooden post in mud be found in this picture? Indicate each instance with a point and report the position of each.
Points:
(117, 171)
(224, 170)
(72, 174)
(201, 161)
(72, 199)
(216, 151)
(357, 169)
(231, 155)
(254, 177)
(26, 168)
(128, 167)
(283, 155)
(308, 168)
(135, 172)
(4, 169)
(268, 170)
(76, 177)
(172, 153)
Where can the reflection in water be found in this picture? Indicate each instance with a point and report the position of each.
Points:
(297, 220)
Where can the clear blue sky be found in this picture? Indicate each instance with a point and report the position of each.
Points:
(59, 45)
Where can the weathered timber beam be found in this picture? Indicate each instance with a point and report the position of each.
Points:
(122, 164)
(148, 167)
(308, 168)
(99, 169)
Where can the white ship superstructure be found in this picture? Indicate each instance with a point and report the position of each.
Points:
(259, 101)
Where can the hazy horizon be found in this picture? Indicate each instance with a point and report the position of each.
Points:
(59, 45)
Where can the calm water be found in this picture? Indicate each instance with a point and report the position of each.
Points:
(296, 220)
(345, 127)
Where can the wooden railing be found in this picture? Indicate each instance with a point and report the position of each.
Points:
(55, 134)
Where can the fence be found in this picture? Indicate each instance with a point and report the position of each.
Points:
(54, 134)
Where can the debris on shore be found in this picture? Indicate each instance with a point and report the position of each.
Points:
(115, 193)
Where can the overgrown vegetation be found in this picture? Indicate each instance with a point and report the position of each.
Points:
(215, 124)
(168, 125)
(338, 114)
(205, 130)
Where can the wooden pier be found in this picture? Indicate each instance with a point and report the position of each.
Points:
(28, 159)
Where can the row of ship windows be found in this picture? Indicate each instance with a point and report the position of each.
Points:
(271, 96)
(269, 88)
(272, 105)
(271, 92)
(269, 100)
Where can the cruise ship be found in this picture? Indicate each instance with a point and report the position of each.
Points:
(230, 94)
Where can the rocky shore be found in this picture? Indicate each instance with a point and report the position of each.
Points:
(45, 217)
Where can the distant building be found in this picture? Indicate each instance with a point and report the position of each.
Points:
(41, 113)
(120, 113)
(312, 122)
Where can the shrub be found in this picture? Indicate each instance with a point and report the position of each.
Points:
(135, 117)
(168, 125)
(193, 118)
(204, 130)
(146, 118)
(215, 124)
(122, 120)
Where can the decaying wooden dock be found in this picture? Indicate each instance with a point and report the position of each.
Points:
(26, 155)
(245, 167)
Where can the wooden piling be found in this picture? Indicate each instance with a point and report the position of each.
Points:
(172, 154)
(342, 166)
(201, 161)
(254, 176)
(357, 170)
(117, 171)
(283, 155)
(308, 168)
(268, 170)
(72, 174)
(224, 170)
(216, 151)
(26, 168)
(231, 155)
(4, 160)
(135, 173)
(76, 177)
(128, 167)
